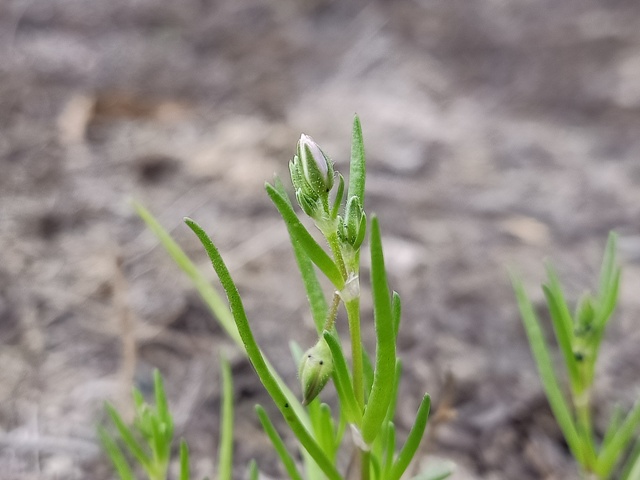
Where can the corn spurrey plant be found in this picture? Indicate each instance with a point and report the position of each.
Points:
(148, 441)
(368, 390)
(147, 444)
(579, 337)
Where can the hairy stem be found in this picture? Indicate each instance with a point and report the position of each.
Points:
(334, 244)
(333, 313)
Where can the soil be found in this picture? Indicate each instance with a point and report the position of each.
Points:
(498, 135)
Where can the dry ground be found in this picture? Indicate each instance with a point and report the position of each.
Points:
(498, 134)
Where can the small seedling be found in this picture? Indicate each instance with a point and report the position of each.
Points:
(579, 337)
(147, 444)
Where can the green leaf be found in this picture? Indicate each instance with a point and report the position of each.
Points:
(396, 308)
(631, 469)
(315, 295)
(608, 269)
(357, 170)
(162, 406)
(374, 463)
(389, 448)
(383, 379)
(339, 194)
(367, 370)
(391, 411)
(610, 454)
(610, 275)
(265, 373)
(278, 444)
(116, 455)
(184, 460)
(562, 326)
(327, 431)
(225, 449)
(253, 470)
(213, 300)
(413, 440)
(614, 426)
(342, 380)
(547, 375)
(127, 436)
(300, 235)
(159, 445)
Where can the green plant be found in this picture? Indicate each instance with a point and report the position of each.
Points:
(367, 392)
(148, 442)
(579, 337)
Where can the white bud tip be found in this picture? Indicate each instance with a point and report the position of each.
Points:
(318, 155)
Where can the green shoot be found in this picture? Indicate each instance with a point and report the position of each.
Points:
(579, 337)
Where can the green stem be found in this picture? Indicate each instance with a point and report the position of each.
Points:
(333, 313)
(365, 459)
(334, 244)
(581, 402)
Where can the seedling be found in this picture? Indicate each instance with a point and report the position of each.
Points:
(579, 337)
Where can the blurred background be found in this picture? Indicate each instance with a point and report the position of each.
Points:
(498, 133)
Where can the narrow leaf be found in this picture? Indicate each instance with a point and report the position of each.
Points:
(225, 448)
(631, 470)
(324, 431)
(391, 411)
(213, 300)
(413, 440)
(619, 443)
(161, 404)
(545, 368)
(184, 461)
(253, 470)
(315, 295)
(396, 308)
(127, 436)
(282, 401)
(607, 271)
(116, 455)
(557, 307)
(389, 448)
(609, 282)
(339, 194)
(278, 444)
(357, 170)
(613, 427)
(367, 371)
(342, 381)
(300, 234)
(383, 379)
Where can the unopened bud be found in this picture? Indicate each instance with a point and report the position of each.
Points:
(353, 226)
(316, 168)
(315, 369)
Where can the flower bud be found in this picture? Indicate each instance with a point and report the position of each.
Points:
(353, 226)
(315, 369)
(316, 168)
